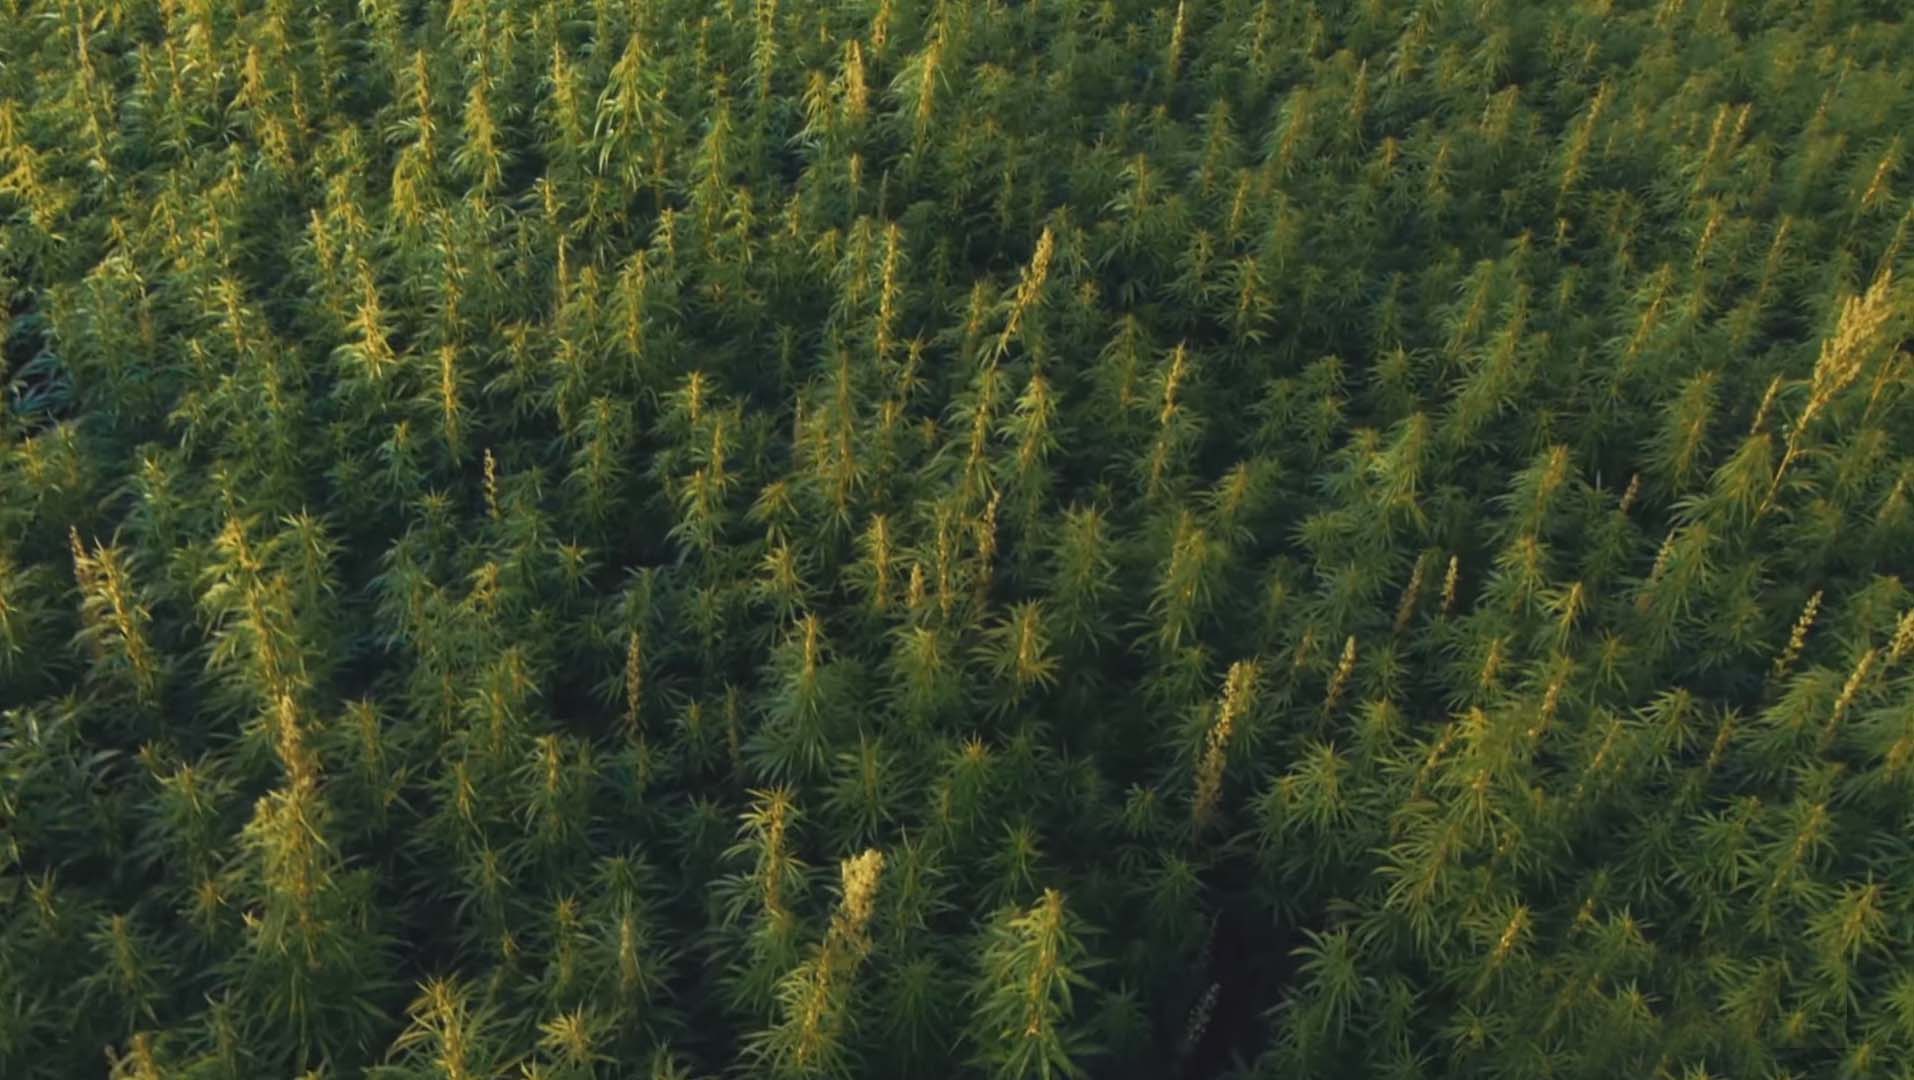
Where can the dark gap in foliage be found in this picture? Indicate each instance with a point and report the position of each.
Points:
(1251, 964)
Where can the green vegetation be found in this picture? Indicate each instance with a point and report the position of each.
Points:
(914, 538)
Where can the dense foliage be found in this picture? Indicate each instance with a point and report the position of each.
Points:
(670, 538)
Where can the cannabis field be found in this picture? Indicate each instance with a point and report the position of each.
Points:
(956, 538)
